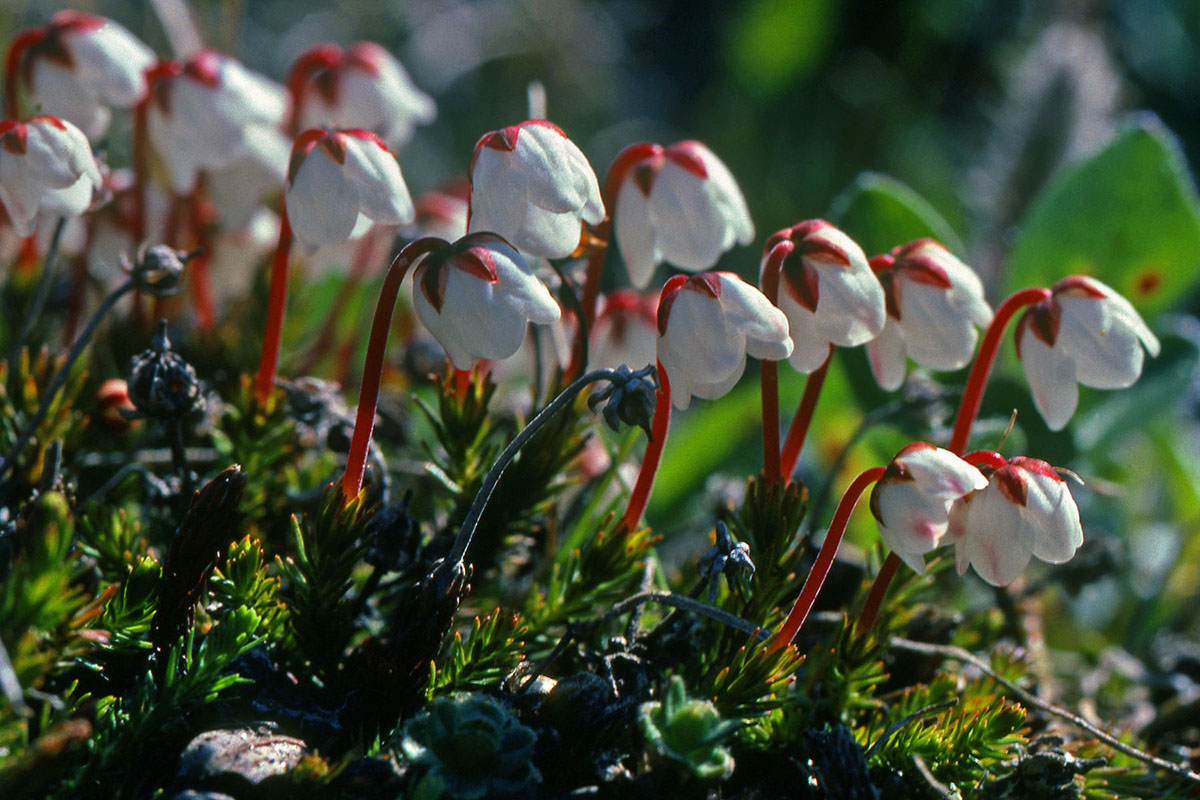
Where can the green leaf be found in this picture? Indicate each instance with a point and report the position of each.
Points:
(879, 212)
(1128, 215)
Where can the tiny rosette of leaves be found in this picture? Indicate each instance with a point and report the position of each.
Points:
(688, 732)
(469, 747)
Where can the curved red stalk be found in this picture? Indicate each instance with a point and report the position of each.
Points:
(269, 361)
(973, 393)
(368, 393)
(820, 569)
(654, 450)
(769, 370)
(803, 419)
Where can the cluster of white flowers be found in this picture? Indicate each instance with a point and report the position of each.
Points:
(533, 195)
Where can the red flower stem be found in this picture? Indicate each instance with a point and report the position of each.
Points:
(968, 409)
(368, 393)
(462, 383)
(866, 618)
(27, 256)
(820, 569)
(769, 370)
(272, 336)
(654, 450)
(798, 432)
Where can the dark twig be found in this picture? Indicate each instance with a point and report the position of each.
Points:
(682, 601)
(940, 789)
(1030, 699)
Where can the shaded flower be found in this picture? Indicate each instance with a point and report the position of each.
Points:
(912, 500)
(707, 325)
(476, 297)
(1084, 332)
(934, 303)
(827, 290)
(1025, 510)
(46, 164)
(202, 111)
(534, 187)
(335, 176)
(363, 86)
(679, 204)
(78, 66)
(625, 331)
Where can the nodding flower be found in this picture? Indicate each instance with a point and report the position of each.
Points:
(477, 297)
(201, 111)
(678, 204)
(336, 176)
(826, 289)
(1025, 510)
(46, 165)
(625, 331)
(911, 502)
(362, 86)
(1083, 332)
(707, 325)
(534, 187)
(77, 67)
(934, 304)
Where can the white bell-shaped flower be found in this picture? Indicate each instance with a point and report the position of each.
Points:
(1084, 332)
(46, 164)
(707, 325)
(336, 176)
(934, 304)
(679, 204)
(625, 331)
(912, 501)
(534, 187)
(363, 86)
(477, 296)
(827, 290)
(80, 65)
(202, 113)
(1025, 510)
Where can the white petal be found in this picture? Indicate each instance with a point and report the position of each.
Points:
(383, 195)
(885, 353)
(634, 233)
(113, 62)
(750, 313)
(910, 521)
(937, 334)
(60, 93)
(1107, 352)
(1054, 517)
(1051, 377)
(940, 473)
(999, 542)
(322, 205)
(727, 195)
(692, 233)
(810, 348)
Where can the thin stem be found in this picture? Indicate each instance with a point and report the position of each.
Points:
(583, 325)
(141, 166)
(568, 395)
(272, 336)
(820, 568)
(973, 394)
(43, 292)
(60, 379)
(798, 432)
(653, 454)
(866, 618)
(769, 370)
(1030, 699)
(368, 394)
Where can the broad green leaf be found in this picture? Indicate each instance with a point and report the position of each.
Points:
(879, 212)
(1128, 215)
